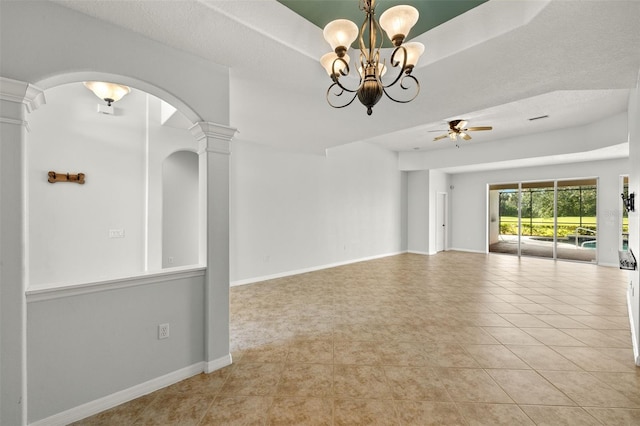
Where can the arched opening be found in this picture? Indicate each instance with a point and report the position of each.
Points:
(112, 225)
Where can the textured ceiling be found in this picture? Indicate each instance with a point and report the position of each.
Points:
(498, 64)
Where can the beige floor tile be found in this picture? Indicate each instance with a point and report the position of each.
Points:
(237, 411)
(315, 351)
(403, 353)
(411, 339)
(471, 385)
(591, 359)
(586, 390)
(417, 383)
(626, 383)
(176, 408)
(354, 381)
(528, 387)
(252, 380)
(313, 380)
(301, 411)
(543, 358)
(495, 356)
(596, 338)
(350, 412)
(616, 416)
(524, 320)
(511, 336)
(494, 414)
(428, 413)
(449, 355)
(553, 336)
(559, 416)
(356, 352)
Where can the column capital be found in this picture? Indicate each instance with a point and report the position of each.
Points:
(21, 92)
(213, 137)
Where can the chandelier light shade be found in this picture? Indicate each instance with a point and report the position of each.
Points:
(108, 92)
(341, 33)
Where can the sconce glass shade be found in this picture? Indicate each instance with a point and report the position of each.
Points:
(327, 63)
(109, 92)
(340, 34)
(397, 21)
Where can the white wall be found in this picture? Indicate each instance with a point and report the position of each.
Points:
(69, 223)
(634, 217)
(294, 212)
(418, 212)
(469, 202)
(46, 45)
(180, 210)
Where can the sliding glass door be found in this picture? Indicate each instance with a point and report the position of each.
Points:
(537, 219)
(577, 222)
(550, 219)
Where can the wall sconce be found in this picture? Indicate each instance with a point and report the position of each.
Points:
(629, 201)
(108, 92)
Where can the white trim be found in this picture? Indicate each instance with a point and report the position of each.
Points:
(311, 269)
(418, 252)
(98, 405)
(634, 339)
(217, 364)
(467, 250)
(606, 264)
(35, 294)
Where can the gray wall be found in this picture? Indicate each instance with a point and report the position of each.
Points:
(85, 347)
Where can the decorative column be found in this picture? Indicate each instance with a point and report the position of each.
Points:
(215, 151)
(16, 97)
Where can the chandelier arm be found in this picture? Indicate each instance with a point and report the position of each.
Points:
(395, 63)
(337, 95)
(404, 87)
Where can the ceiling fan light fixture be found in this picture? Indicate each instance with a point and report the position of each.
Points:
(108, 92)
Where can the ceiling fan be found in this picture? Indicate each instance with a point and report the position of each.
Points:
(458, 128)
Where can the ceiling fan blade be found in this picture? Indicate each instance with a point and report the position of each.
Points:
(461, 124)
(437, 138)
(453, 136)
(473, 129)
(465, 136)
(433, 131)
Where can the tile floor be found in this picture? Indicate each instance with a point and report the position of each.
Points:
(451, 339)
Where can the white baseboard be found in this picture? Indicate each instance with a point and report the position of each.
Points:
(94, 407)
(217, 364)
(634, 338)
(467, 250)
(418, 252)
(311, 269)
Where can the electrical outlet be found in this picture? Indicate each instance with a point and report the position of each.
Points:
(163, 331)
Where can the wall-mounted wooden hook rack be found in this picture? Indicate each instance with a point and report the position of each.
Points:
(66, 177)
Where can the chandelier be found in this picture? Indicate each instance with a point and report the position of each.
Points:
(341, 33)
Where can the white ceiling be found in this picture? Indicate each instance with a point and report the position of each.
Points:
(499, 64)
